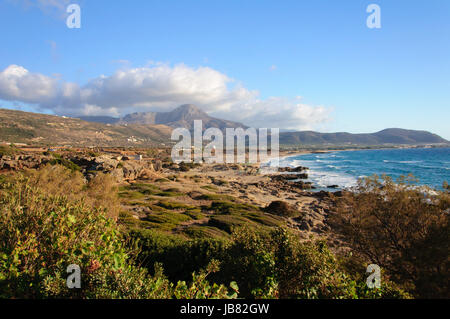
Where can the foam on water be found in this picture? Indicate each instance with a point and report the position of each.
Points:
(344, 168)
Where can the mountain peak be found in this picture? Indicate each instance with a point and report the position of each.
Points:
(182, 116)
(190, 109)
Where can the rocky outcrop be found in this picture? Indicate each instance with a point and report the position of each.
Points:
(122, 170)
(296, 169)
(18, 162)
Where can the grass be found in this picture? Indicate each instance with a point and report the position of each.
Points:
(167, 218)
(217, 197)
(228, 222)
(195, 213)
(169, 194)
(175, 205)
(196, 231)
(139, 190)
(209, 188)
(264, 219)
(224, 207)
(130, 195)
(161, 180)
(224, 213)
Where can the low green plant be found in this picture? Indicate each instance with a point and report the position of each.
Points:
(41, 234)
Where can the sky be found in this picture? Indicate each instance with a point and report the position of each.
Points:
(298, 65)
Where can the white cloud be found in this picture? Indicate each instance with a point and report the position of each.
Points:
(54, 8)
(159, 87)
(18, 84)
(45, 5)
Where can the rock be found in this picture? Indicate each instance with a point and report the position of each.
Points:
(292, 169)
(333, 186)
(304, 226)
(322, 194)
(117, 173)
(146, 173)
(157, 165)
(281, 208)
(105, 163)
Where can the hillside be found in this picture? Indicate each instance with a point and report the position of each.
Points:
(393, 136)
(34, 128)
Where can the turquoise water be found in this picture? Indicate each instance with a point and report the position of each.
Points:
(343, 168)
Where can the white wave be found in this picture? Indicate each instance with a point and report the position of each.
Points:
(410, 162)
(324, 179)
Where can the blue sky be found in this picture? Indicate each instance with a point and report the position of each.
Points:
(243, 60)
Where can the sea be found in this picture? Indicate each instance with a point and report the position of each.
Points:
(431, 166)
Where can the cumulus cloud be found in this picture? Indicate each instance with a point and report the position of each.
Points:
(159, 87)
(18, 84)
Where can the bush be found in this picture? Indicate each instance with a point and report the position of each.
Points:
(276, 264)
(281, 208)
(100, 192)
(41, 234)
(58, 160)
(403, 229)
(180, 257)
(8, 150)
(265, 264)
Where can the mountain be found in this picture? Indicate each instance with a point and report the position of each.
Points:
(182, 116)
(43, 129)
(143, 129)
(394, 136)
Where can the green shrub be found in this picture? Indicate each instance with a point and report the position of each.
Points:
(276, 264)
(41, 234)
(228, 223)
(281, 208)
(200, 232)
(180, 257)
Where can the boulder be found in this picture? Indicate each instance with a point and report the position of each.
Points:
(281, 208)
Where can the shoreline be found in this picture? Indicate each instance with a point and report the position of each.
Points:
(342, 179)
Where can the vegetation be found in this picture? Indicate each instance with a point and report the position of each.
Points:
(281, 208)
(402, 228)
(53, 217)
(264, 264)
(42, 233)
(8, 150)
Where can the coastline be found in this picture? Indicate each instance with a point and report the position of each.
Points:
(428, 165)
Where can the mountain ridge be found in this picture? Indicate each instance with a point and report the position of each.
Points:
(392, 136)
(182, 116)
(35, 128)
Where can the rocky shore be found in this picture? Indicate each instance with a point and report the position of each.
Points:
(246, 183)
